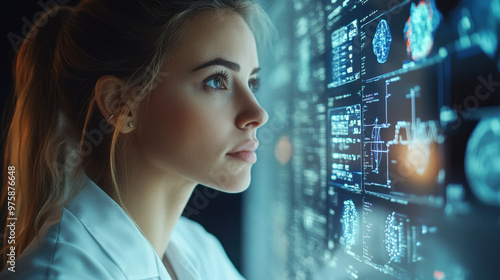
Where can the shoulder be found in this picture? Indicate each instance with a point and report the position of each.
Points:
(86, 237)
(204, 250)
(63, 249)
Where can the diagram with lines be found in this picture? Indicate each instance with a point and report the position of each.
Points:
(399, 147)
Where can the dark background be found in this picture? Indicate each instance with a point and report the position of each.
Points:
(218, 212)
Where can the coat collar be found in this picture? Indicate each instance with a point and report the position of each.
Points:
(116, 233)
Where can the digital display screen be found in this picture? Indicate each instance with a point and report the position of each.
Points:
(391, 112)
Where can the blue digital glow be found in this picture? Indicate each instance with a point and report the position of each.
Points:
(345, 141)
(344, 53)
(484, 21)
(350, 222)
(304, 62)
(420, 27)
(379, 101)
(393, 232)
(382, 41)
(376, 146)
(482, 161)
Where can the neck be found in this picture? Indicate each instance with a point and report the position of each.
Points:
(153, 198)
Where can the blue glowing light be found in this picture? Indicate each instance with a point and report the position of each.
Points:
(482, 161)
(392, 238)
(376, 146)
(350, 222)
(382, 41)
(420, 28)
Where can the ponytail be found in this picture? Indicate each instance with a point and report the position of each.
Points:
(36, 144)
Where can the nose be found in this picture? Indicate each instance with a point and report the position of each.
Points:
(250, 113)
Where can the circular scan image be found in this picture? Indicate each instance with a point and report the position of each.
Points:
(482, 161)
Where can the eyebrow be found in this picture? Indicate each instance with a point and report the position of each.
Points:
(226, 63)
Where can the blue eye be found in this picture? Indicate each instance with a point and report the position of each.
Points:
(217, 81)
(254, 84)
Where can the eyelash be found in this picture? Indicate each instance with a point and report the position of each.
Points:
(254, 83)
(219, 74)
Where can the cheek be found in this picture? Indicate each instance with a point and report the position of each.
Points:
(189, 135)
(181, 131)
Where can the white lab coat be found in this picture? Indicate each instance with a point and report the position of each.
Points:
(93, 238)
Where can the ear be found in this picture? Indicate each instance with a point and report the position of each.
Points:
(109, 96)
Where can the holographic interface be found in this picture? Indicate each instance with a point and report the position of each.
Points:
(391, 114)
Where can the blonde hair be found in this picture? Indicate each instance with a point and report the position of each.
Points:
(56, 68)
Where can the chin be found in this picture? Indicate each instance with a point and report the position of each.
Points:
(236, 188)
(228, 182)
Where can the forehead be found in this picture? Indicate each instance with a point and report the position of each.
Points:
(216, 34)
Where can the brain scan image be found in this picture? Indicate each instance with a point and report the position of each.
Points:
(350, 222)
(393, 232)
(382, 41)
(420, 28)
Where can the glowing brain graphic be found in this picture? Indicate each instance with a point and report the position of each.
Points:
(420, 27)
(392, 240)
(382, 41)
(350, 223)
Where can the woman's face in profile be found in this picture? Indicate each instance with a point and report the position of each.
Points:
(201, 119)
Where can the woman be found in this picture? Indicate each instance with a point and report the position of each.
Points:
(121, 109)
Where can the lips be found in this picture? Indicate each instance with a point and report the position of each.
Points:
(245, 152)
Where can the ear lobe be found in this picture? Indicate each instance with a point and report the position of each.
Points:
(109, 96)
